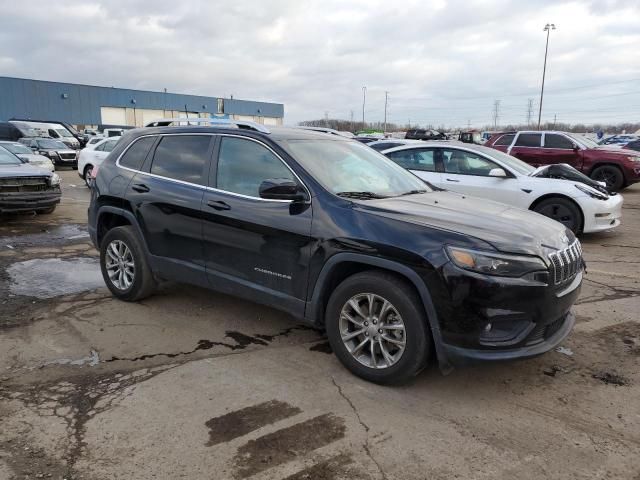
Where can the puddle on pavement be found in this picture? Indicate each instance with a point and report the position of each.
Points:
(47, 236)
(51, 277)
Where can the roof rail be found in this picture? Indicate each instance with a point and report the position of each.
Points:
(213, 122)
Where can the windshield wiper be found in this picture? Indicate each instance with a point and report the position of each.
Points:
(360, 195)
(413, 192)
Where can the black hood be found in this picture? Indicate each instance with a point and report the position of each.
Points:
(507, 228)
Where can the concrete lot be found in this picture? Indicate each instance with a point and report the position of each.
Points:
(193, 384)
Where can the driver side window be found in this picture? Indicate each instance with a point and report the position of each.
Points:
(244, 164)
(466, 163)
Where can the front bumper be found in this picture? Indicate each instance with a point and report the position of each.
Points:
(460, 356)
(483, 317)
(601, 215)
(27, 202)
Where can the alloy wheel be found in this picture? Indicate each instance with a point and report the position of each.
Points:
(372, 330)
(559, 213)
(120, 265)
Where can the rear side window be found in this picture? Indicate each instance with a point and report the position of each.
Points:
(414, 159)
(553, 140)
(528, 140)
(136, 153)
(384, 146)
(243, 165)
(505, 140)
(182, 157)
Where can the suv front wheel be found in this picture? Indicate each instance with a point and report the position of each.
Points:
(124, 266)
(377, 327)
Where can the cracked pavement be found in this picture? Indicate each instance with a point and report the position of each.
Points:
(194, 384)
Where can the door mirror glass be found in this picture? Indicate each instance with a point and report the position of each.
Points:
(497, 172)
(281, 189)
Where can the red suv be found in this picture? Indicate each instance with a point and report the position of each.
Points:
(617, 167)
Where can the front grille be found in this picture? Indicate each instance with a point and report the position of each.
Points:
(23, 184)
(67, 156)
(565, 264)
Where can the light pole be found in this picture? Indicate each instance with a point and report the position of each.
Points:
(364, 99)
(547, 28)
(386, 98)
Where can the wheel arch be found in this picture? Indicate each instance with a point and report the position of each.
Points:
(548, 196)
(109, 217)
(343, 265)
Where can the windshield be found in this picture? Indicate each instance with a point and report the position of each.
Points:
(346, 167)
(63, 133)
(7, 158)
(16, 148)
(511, 162)
(54, 144)
(582, 140)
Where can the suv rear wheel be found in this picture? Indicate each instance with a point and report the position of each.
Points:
(611, 175)
(124, 266)
(377, 327)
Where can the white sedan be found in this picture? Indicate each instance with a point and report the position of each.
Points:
(556, 191)
(93, 155)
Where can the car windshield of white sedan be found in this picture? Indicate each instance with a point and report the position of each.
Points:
(510, 162)
(7, 158)
(351, 169)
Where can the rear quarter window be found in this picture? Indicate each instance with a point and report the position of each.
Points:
(505, 140)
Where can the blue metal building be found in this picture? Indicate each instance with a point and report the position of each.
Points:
(87, 105)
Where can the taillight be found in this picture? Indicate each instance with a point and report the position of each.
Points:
(94, 171)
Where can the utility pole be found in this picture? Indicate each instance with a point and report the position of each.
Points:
(529, 110)
(326, 118)
(352, 121)
(386, 98)
(364, 99)
(496, 113)
(554, 120)
(468, 124)
(547, 28)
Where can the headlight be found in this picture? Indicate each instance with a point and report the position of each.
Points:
(498, 264)
(592, 192)
(633, 158)
(54, 180)
(52, 153)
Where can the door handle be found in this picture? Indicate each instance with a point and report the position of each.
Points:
(140, 187)
(452, 180)
(218, 205)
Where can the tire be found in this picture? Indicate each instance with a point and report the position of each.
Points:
(561, 210)
(131, 286)
(46, 211)
(610, 174)
(85, 174)
(410, 313)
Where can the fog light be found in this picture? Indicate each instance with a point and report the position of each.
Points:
(487, 328)
(601, 215)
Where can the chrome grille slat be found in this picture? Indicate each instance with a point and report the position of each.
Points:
(566, 263)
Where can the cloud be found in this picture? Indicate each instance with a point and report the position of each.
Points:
(443, 62)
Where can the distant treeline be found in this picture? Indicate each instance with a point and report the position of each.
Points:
(346, 125)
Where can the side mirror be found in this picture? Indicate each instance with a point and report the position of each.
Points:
(497, 172)
(281, 189)
(575, 147)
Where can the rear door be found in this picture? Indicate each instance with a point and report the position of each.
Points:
(560, 149)
(166, 196)
(420, 162)
(255, 247)
(467, 172)
(528, 148)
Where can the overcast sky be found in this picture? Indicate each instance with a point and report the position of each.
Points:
(443, 62)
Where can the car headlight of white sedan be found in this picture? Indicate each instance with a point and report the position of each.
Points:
(592, 192)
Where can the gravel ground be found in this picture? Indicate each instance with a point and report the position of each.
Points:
(194, 384)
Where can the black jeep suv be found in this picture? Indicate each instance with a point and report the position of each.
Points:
(332, 232)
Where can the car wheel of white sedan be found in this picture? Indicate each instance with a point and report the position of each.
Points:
(561, 210)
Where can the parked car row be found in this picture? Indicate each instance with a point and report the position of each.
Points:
(325, 228)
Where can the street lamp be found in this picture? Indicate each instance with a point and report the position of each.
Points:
(547, 28)
(364, 98)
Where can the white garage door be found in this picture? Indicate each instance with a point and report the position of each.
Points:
(149, 115)
(113, 116)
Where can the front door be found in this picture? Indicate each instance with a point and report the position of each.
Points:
(255, 247)
(167, 200)
(559, 149)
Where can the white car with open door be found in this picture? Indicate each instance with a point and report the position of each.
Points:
(556, 191)
(93, 155)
